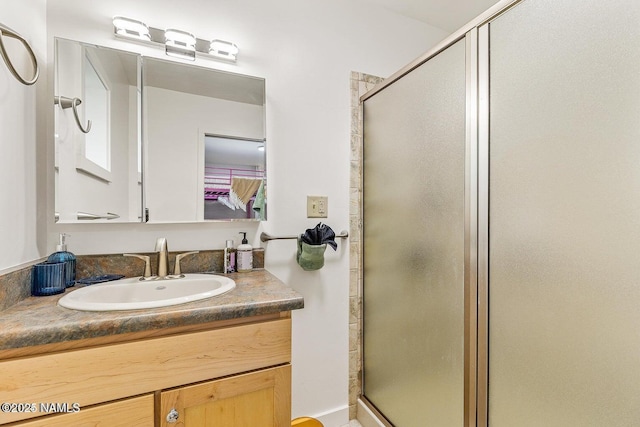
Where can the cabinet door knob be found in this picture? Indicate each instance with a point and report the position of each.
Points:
(172, 416)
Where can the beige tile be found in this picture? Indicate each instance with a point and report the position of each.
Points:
(356, 174)
(363, 87)
(354, 388)
(356, 125)
(371, 79)
(354, 229)
(354, 308)
(355, 99)
(354, 254)
(356, 148)
(354, 364)
(354, 337)
(353, 282)
(354, 85)
(355, 202)
(360, 83)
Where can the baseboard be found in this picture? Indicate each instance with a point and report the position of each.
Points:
(337, 417)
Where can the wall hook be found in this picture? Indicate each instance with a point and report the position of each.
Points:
(66, 102)
(6, 31)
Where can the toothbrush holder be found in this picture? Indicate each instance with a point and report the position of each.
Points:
(48, 278)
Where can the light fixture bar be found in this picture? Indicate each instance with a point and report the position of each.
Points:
(177, 43)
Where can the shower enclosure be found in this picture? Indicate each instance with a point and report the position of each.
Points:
(501, 212)
(414, 254)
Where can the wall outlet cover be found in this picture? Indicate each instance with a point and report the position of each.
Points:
(317, 206)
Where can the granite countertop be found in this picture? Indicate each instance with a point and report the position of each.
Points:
(39, 320)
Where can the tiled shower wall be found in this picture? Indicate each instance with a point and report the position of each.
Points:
(360, 84)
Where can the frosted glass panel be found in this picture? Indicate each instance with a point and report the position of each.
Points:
(414, 165)
(564, 242)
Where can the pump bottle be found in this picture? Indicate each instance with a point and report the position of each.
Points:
(229, 257)
(244, 255)
(62, 255)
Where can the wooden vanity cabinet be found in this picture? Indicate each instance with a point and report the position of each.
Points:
(260, 398)
(137, 411)
(231, 373)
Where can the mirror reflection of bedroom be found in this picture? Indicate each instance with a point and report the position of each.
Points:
(234, 178)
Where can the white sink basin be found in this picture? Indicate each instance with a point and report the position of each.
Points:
(133, 294)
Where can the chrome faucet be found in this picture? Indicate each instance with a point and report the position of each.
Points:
(163, 257)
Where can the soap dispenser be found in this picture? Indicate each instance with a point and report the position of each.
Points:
(62, 255)
(244, 255)
(229, 257)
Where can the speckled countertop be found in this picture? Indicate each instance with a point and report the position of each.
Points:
(39, 320)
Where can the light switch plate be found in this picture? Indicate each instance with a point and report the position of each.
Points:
(317, 206)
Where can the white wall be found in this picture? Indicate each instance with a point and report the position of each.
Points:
(22, 233)
(306, 51)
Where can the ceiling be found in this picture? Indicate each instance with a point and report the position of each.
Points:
(448, 15)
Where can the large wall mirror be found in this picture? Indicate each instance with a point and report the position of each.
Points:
(97, 134)
(205, 143)
(201, 133)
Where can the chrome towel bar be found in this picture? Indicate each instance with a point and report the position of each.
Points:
(85, 216)
(265, 237)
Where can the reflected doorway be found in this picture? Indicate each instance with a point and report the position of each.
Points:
(234, 178)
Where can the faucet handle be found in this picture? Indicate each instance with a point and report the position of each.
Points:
(176, 270)
(147, 263)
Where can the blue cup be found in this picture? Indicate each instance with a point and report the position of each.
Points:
(48, 278)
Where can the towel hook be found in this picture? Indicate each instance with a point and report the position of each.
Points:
(65, 103)
(6, 31)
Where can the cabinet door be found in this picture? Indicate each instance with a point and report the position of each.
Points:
(261, 398)
(125, 413)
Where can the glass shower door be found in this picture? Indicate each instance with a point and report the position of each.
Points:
(414, 244)
(564, 214)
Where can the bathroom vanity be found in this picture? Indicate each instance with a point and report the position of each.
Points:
(221, 361)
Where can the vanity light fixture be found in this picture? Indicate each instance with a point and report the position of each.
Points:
(180, 44)
(131, 28)
(223, 49)
(177, 43)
